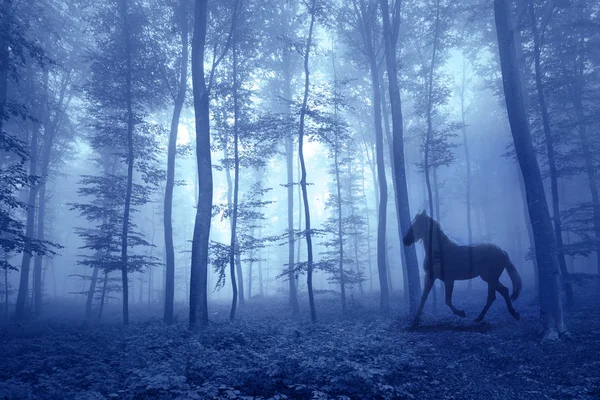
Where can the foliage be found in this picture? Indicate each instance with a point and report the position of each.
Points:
(268, 355)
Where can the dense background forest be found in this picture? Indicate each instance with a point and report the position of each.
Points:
(232, 180)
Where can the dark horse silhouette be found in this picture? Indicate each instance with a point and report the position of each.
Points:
(449, 262)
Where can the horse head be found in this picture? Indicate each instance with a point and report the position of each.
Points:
(418, 229)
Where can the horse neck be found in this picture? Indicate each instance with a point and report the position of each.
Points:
(438, 237)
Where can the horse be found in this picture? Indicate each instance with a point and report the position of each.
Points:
(449, 262)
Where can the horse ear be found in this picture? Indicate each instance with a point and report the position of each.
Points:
(423, 213)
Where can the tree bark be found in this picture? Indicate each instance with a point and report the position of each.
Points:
(29, 225)
(289, 158)
(199, 263)
(103, 296)
(130, 159)
(467, 164)
(171, 154)
(551, 156)
(390, 35)
(303, 112)
(545, 241)
(233, 246)
(41, 215)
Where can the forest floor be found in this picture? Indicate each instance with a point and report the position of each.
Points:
(268, 354)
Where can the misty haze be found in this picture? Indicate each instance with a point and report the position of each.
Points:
(300, 199)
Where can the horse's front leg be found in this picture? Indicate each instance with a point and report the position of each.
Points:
(428, 285)
(449, 288)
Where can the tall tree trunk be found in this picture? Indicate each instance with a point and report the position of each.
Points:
(467, 164)
(103, 295)
(383, 195)
(390, 35)
(40, 235)
(199, 263)
(29, 225)
(90, 294)
(50, 128)
(289, 158)
(5, 285)
(171, 154)
(388, 137)
(130, 160)
(303, 112)
(355, 237)
(551, 156)
(362, 171)
(233, 247)
(250, 266)
(260, 272)
(338, 183)
(545, 241)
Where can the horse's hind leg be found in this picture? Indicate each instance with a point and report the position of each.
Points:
(490, 299)
(503, 290)
(449, 289)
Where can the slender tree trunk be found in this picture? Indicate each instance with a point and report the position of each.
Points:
(388, 136)
(250, 265)
(289, 158)
(340, 232)
(103, 296)
(233, 247)
(303, 112)
(171, 154)
(551, 157)
(90, 295)
(29, 226)
(41, 191)
(362, 171)
(38, 258)
(6, 285)
(355, 240)
(199, 263)
(467, 164)
(383, 195)
(390, 35)
(259, 266)
(130, 160)
(338, 183)
(545, 241)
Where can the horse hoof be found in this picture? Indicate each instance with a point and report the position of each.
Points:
(415, 324)
(461, 313)
(516, 316)
(478, 319)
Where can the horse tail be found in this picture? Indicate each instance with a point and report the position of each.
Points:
(515, 278)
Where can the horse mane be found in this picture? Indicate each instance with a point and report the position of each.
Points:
(437, 229)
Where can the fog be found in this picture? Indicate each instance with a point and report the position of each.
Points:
(162, 161)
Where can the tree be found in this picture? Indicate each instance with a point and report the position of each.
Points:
(549, 141)
(364, 18)
(545, 241)
(127, 91)
(106, 193)
(24, 64)
(202, 88)
(199, 267)
(303, 111)
(181, 15)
